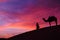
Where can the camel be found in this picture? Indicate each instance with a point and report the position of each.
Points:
(51, 19)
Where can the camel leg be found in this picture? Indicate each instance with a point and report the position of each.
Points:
(50, 24)
(56, 23)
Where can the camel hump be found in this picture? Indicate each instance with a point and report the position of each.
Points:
(52, 17)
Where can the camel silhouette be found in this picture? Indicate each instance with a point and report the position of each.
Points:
(51, 19)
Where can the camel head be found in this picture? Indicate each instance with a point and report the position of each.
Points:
(44, 19)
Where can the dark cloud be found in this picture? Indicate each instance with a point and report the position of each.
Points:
(48, 3)
(22, 5)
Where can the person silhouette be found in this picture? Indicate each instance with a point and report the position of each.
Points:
(37, 26)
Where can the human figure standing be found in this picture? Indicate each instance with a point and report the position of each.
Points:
(37, 26)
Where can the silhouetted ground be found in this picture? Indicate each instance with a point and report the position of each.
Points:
(3, 39)
(48, 33)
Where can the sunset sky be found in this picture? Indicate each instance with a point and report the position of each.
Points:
(19, 16)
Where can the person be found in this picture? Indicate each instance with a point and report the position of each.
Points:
(37, 26)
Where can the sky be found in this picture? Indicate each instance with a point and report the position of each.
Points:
(19, 16)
